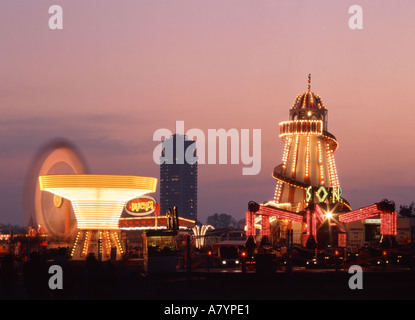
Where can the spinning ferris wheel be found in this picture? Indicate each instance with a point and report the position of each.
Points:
(53, 213)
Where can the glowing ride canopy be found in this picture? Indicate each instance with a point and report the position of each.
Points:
(97, 200)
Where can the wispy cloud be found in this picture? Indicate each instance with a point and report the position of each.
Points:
(20, 136)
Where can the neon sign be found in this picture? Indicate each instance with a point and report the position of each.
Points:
(322, 193)
(141, 206)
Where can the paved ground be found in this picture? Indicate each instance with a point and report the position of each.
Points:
(312, 284)
(126, 282)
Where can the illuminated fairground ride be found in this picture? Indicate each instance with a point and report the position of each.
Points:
(43, 209)
(308, 192)
(97, 201)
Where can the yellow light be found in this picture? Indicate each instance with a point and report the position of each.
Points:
(97, 200)
(286, 131)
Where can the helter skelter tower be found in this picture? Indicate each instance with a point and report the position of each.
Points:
(308, 191)
(308, 171)
(308, 188)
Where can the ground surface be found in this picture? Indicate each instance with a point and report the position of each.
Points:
(125, 281)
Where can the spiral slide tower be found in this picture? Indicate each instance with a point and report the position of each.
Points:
(308, 191)
(308, 158)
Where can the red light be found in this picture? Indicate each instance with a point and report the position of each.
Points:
(336, 253)
(243, 254)
(209, 253)
(384, 252)
(363, 213)
(280, 214)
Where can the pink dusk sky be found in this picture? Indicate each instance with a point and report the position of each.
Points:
(120, 70)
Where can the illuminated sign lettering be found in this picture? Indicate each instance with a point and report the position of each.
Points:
(372, 221)
(337, 192)
(322, 193)
(309, 195)
(141, 206)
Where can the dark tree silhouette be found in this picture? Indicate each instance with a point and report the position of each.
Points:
(221, 220)
(407, 211)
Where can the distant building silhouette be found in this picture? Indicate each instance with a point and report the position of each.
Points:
(178, 177)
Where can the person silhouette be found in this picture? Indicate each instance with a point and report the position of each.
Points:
(94, 278)
(62, 260)
(35, 273)
(8, 277)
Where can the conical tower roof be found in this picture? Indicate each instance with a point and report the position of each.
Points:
(308, 100)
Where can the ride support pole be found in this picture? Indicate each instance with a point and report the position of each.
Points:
(412, 248)
(288, 267)
(189, 262)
